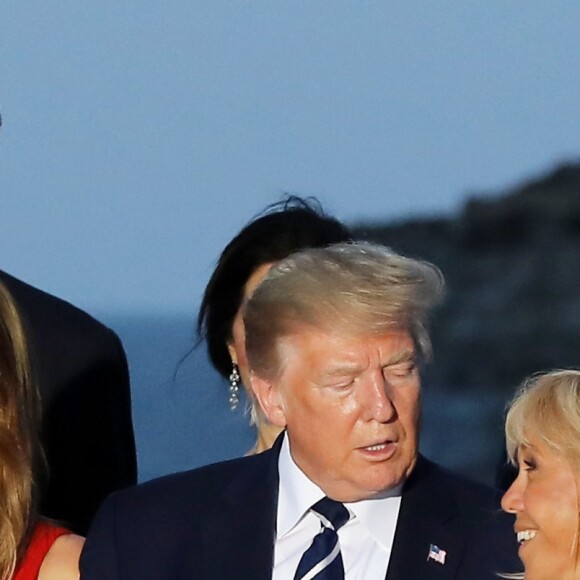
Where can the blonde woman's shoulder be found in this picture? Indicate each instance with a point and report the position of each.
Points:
(62, 560)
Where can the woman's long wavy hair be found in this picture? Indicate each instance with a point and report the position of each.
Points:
(19, 410)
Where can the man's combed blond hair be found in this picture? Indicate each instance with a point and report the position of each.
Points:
(18, 436)
(352, 288)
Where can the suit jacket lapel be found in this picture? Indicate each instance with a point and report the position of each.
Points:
(423, 522)
(239, 540)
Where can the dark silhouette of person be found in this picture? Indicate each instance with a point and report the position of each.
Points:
(81, 371)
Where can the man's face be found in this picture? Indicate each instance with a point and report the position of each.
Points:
(351, 409)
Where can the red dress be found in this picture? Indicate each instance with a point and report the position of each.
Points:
(43, 538)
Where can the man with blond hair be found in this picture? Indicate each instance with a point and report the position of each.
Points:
(335, 338)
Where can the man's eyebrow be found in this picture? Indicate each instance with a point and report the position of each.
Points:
(405, 355)
(343, 369)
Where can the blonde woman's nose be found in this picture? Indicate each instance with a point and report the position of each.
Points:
(512, 500)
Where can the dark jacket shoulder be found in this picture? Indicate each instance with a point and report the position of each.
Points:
(201, 490)
(177, 527)
(468, 495)
(461, 518)
(42, 310)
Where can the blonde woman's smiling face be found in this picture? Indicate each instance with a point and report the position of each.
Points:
(544, 498)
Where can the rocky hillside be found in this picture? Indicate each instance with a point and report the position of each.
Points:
(512, 266)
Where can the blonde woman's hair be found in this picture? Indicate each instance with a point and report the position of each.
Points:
(18, 437)
(353, 288)
(547, 405)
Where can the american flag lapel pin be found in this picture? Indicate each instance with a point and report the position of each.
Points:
(436, 553)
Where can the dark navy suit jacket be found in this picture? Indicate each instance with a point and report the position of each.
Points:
(218, 522)
(81, 371)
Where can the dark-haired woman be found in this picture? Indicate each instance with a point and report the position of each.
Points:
(282, 229)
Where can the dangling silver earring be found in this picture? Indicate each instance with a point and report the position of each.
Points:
(234, 387)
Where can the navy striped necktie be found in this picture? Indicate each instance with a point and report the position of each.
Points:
(322, 561)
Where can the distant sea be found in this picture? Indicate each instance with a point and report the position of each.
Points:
(182, 419)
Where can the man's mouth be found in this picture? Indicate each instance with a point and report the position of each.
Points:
(380, 450)
(378, 447)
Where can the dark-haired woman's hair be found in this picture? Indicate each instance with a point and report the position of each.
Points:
(283, 228)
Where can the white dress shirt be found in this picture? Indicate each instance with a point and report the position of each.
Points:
(365, 540)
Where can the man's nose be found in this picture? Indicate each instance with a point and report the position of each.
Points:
(378, 399)
(512, 500)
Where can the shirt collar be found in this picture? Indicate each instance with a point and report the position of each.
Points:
(379, 515)
(297, 494)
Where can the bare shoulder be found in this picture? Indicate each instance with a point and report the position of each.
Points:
(62, 560)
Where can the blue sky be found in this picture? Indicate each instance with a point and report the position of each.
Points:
(139, 137)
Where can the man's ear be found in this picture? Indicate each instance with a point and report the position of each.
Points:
(269, 398)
